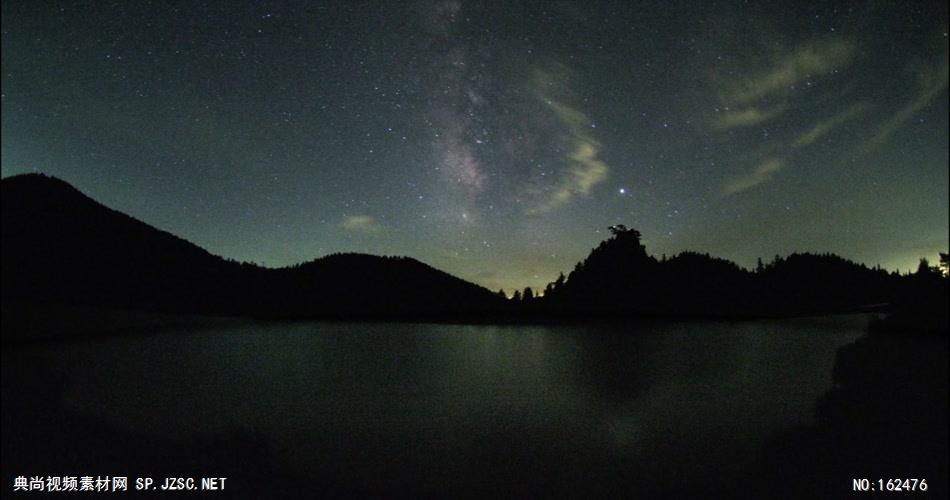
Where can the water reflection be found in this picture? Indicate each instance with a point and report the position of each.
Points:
(481, 408)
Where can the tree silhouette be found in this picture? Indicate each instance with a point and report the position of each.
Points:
(617, 229)
(93, 266)
(924, 268)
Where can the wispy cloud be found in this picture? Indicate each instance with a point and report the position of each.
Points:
(808, 61)
(583, 167)
(584, 171)
(932, 81)
(825, 127)
(766, 93)
(760, 174)
(363, 224)
(745, 117)
(773, 163)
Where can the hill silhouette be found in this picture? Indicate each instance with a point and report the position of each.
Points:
(62, 247)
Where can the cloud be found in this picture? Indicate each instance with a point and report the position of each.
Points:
(822, 128)
(746, 117)
(569, 116)
(762, 173)
(363, 224)
(770, 165)
(584, 171)
(932, 81)
(767, 93)
(808, 61)
(583, 167)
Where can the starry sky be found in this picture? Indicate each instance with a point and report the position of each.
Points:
(493, 140)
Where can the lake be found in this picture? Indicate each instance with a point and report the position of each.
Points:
(344, 408)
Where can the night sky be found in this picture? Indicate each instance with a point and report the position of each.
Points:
(495, 141)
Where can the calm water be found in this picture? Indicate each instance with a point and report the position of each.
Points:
(344, 407)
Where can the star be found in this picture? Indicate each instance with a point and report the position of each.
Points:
(328, 108)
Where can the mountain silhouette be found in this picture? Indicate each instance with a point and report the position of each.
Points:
(62, 247)
(364, 285)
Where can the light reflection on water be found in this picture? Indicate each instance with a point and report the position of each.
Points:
(411, 402)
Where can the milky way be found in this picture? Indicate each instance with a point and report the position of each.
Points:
(496, 141)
